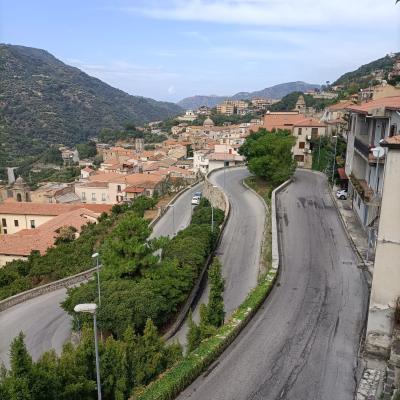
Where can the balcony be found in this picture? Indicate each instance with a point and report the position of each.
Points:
(362, 188)
(361, 147)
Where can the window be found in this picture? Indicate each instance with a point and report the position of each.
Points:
(299, 131)
(19, 197)
(118, 188)
(314, 133)
(16, 223)
(93, 196)
(103, 197)
(84, 196)
(393, 129)
(33, 225)
(299, 158)
(5, 231)
(3, 222)
(301, 145)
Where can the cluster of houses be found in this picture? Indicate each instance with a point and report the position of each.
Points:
(369, 122)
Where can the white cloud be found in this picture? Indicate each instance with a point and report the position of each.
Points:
(122, 68)
(273, 12)
(171, 90)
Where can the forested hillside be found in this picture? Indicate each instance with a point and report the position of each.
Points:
(44, 101)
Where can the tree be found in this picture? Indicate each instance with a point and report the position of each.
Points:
(114, 370)
(150, 355)
(20, 377)
(86, 150)
(193, 336)
(269, 155)
(215, 307)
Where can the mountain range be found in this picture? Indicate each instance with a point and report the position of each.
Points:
(273, 92)
(44, 101)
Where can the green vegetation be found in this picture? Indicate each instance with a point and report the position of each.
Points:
(269, 155)
(47, 102)
(204, 349)
(136, 284)
(185, 371)
(323, 153)
(69, 257)
(128, 134)
(87, 149)
(363, 74)
(288, 102)
(124, 364)
(211, 315)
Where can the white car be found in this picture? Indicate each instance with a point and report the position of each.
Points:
(195, 200)
(341, 194)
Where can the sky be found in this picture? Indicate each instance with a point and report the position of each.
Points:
(171, 49)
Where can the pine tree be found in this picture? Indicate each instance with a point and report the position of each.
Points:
(193, 336)
(215, 308)
(20, 377)
(150, 355)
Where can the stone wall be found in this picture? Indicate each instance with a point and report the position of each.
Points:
(215, 195)
(50, 287)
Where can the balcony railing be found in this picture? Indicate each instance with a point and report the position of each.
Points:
(361, 147)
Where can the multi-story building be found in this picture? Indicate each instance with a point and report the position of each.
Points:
(370, 123)
(304, 131)
(386, 274)
(226, 108)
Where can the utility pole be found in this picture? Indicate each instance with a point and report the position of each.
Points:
(334, 159)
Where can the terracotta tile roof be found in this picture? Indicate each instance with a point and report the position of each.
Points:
(310, 122)
(35, 208)
(88, 169)
(22, 243)
(95, 184)
(281, 121)
(341, 105)
(390, 103)
(392, 141)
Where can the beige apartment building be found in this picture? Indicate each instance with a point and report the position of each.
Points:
(17, 216)
(304, 131)
(386, 276)
(109, 188)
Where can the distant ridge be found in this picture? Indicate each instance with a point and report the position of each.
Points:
(273, 92)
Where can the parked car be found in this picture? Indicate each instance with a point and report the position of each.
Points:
(198, 194)
(195, 200)
(341, 194)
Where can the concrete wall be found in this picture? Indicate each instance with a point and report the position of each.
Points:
(4, 259)
(50, 287)
(386, 277)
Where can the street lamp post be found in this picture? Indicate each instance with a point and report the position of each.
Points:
(91, 309)
(334, 159)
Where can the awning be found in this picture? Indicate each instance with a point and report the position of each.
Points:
(342, 174)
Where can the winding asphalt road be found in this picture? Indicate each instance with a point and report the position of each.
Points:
(302, 344)
(239, 249)
(45, 323)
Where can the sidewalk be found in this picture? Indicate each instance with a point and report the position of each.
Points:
(355, 230)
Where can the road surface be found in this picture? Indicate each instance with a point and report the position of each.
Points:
(239, 250)
(45, 323)
(302, 344)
